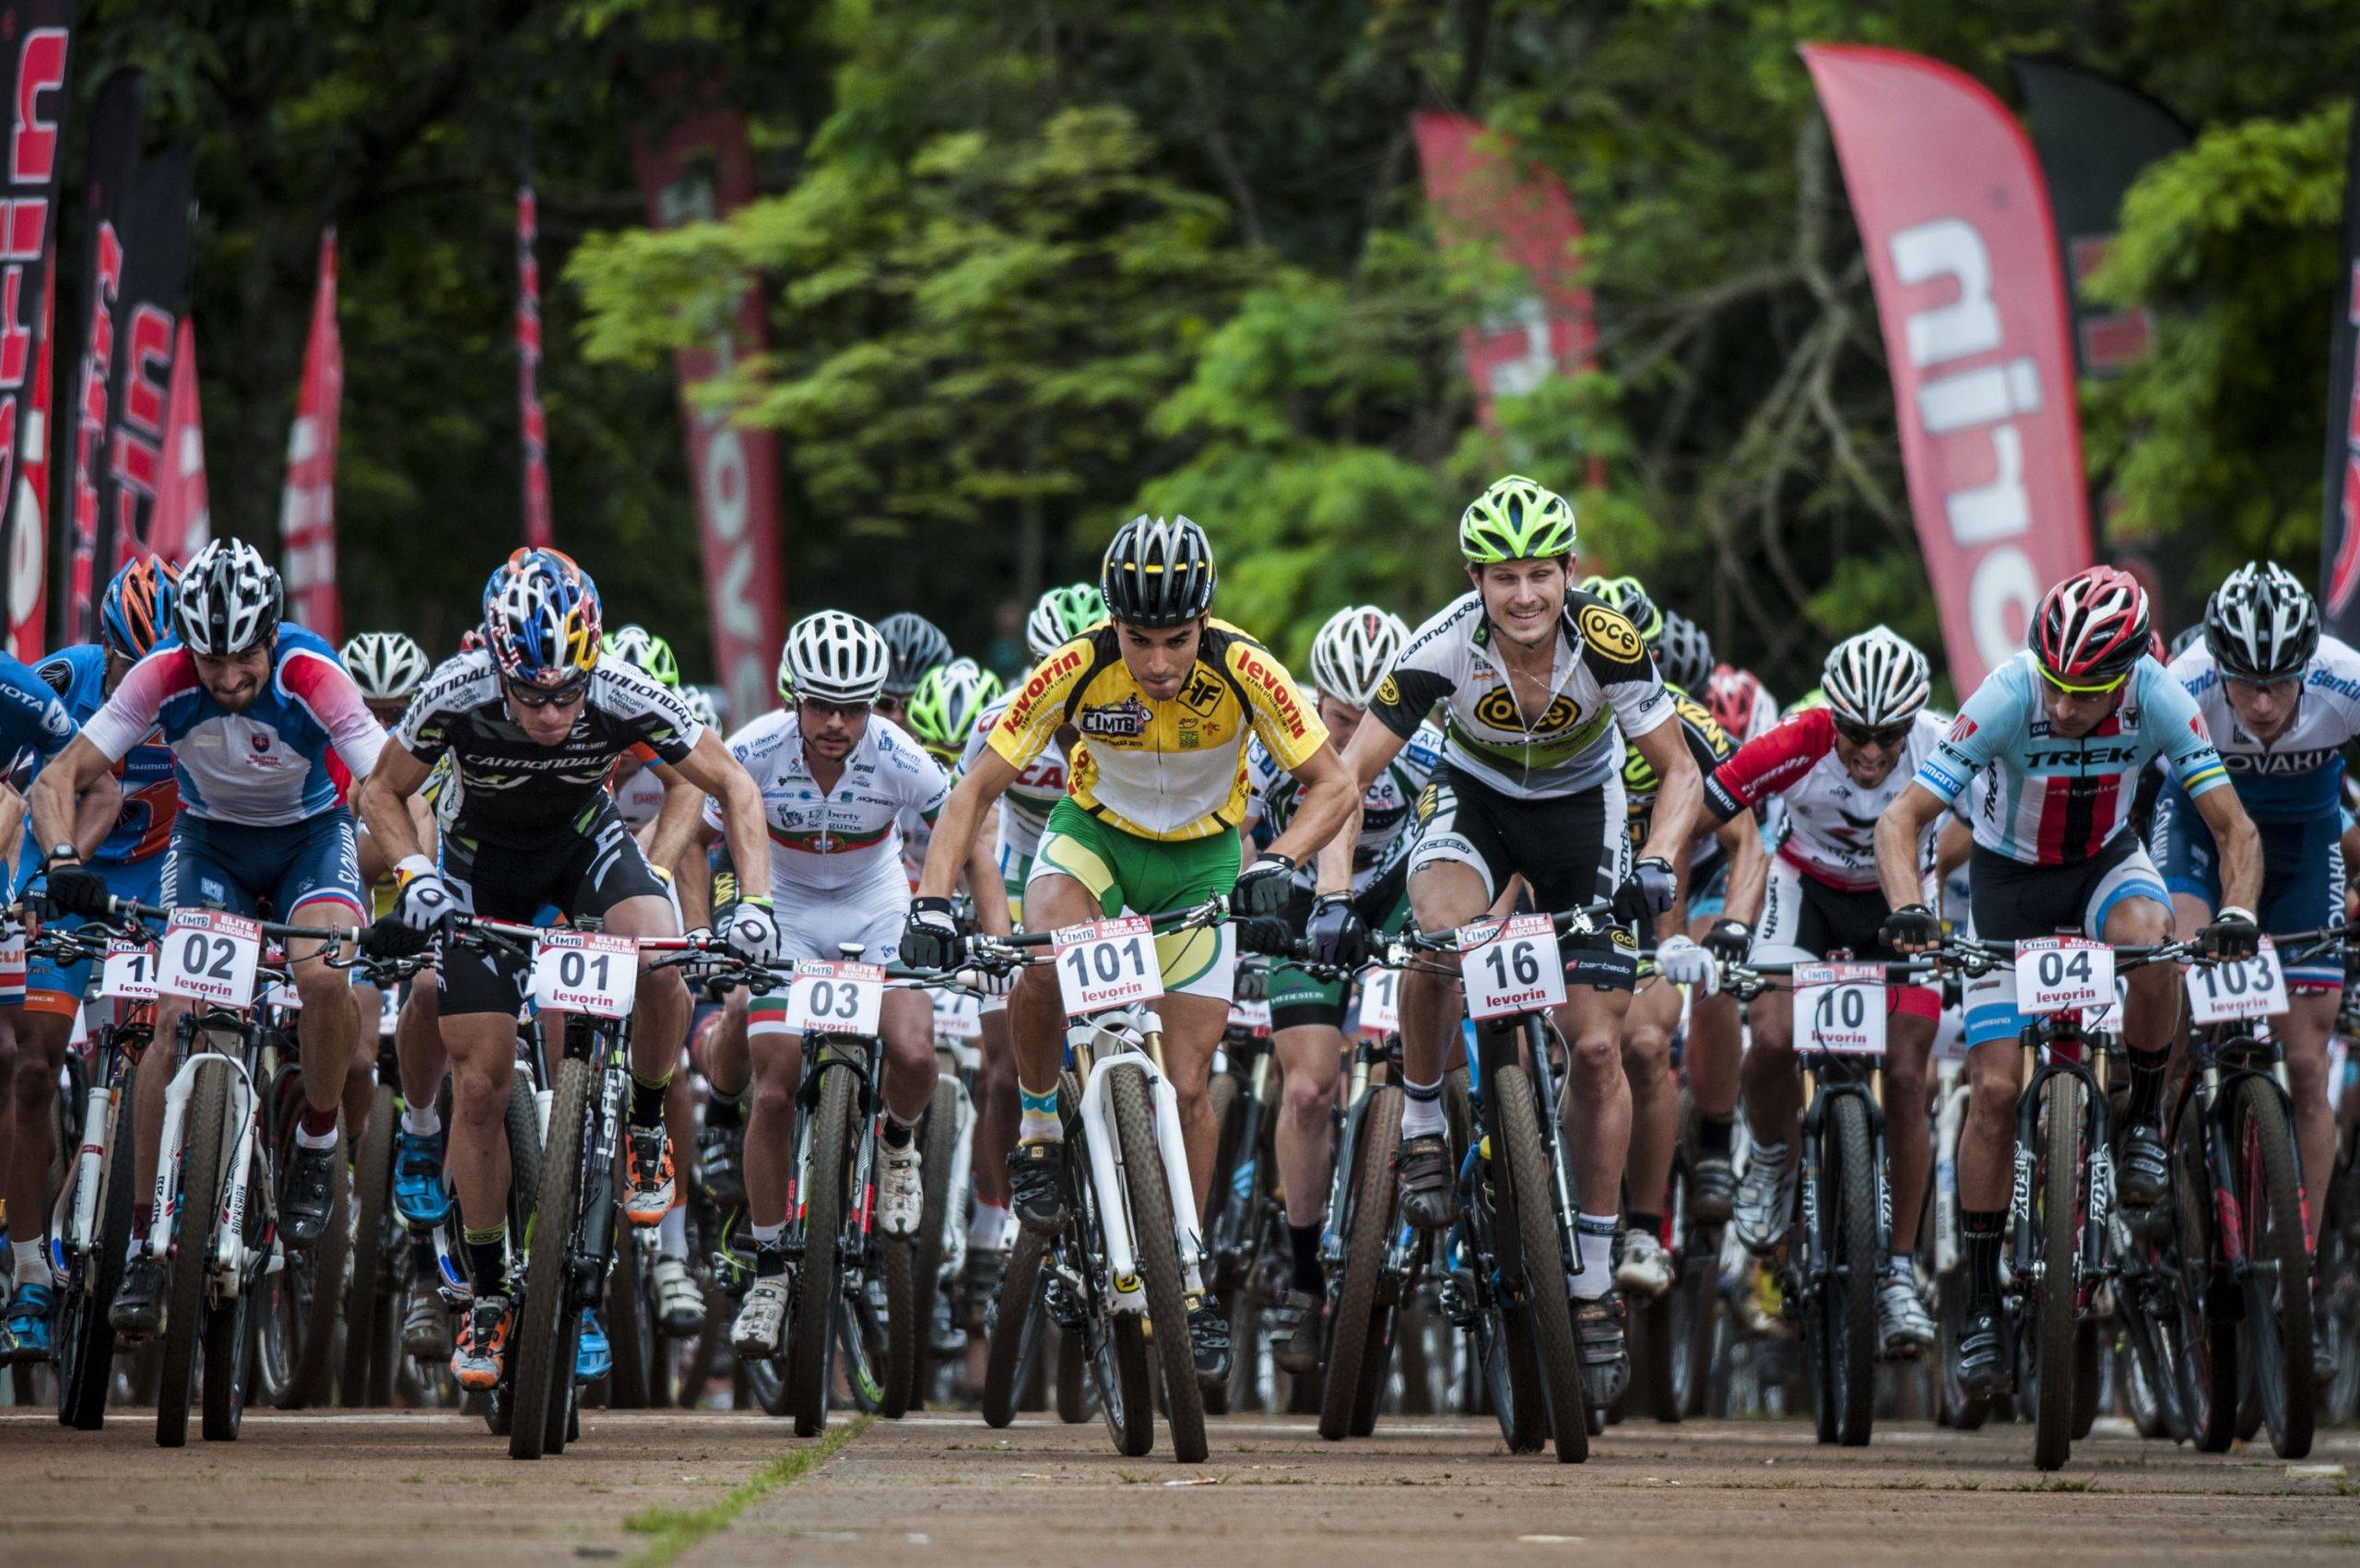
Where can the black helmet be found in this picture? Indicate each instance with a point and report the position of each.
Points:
(2263, 624)
(916, 645)
(1684, 654)
(1157, 572)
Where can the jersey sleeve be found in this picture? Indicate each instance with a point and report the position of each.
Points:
(1770, 762)
(319, 684)
(1618, 660)
(1984, 723)
(923, 787)
(1031, 719)
(1422, 675)
(1261, 771)
(2172, 716)
(979, 740)
(1280, 715)
(46, 723)
(652, 715)
(130, 713)
(747, 747)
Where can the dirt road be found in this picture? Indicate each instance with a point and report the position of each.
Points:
(718, 1488)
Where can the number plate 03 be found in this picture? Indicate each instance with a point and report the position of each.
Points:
(1107, 964)
(1840, 1007)
(2055, 973)
(211, 956)
(586, 972)
(1511, 966)
(828, 997)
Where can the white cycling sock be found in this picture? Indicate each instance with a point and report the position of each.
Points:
(314, 1140)
(1904, 1266)
(1420, 1108)
(986, 1226)
(421, 1120)
(32, 1262)
(672, 1235)
(1594, 1259)
(1769, 1154)
(767, 1235)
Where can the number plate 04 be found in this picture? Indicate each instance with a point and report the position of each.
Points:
(1107, 964)
(586, 972)
(211, 956)
(1840, 1007)
(828, 997)
(1511, 966)
(2055, 973)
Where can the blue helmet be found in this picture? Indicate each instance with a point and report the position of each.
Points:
(541, 619)
(136, 612)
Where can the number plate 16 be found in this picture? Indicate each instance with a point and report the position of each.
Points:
(1840, 1007)
(586, 972)
(1511, 966)
(211, 956)
(1107, 964)
(2056, 974)
(827, 997)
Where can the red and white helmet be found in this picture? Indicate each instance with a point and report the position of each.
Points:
(1732, 695)
(2090, 629)
(1876, 680)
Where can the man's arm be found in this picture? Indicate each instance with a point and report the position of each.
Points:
(1335, 869)
(712, 769)
(385, 803)
(2240, 847)
(1899, 832)
(956, 830)
(1749, 868)
(983, 881)
(1330, 792)
(56, 794)
(677, 823)
(1680, 792)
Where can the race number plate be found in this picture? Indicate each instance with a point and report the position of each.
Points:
(1107, 964)
(834, 997)
(1511, 966)
(12, 961)
(130, 973)
(1380, 1000)
(2055, 973)
(1251, 1017)
(285, 998)
(586, 972)
(2256, 987)
(211, 956)
(958, 1016)
(1840, 1007)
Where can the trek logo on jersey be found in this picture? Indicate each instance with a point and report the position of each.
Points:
(1125, 720)
(1961, 727)
(1019, 712)
(1274, 682)
(2081, 756)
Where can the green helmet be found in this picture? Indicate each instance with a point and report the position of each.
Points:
(1516, 520)
(1626, 594)
(1061, 615)
(638, 646)
(948, 700)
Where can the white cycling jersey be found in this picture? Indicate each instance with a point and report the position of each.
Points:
(1384, 840)
(850, 836)
(1827, 830)
(2299, 776)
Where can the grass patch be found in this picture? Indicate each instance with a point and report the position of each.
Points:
(2054, 1484)
(673, 1530)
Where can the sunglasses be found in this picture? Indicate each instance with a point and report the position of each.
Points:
(2100, 689)
(840, 709)
(537, 697)
(1885, 738)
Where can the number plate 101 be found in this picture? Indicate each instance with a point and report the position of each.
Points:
(1107, 964)
(586, 972)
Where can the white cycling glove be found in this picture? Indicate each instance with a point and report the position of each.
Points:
(1682, 963)
(425, 902)
(752, 931)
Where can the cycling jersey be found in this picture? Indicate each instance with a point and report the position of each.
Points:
(1828, 830)
(504, 784)
(2055, 801)
(284, 760)
(1601, 679)
(1708, 743)
(1168, 771)
(848, 836)
(1040, 785)
(1384, 841)
(150, 794)
(2299, 776)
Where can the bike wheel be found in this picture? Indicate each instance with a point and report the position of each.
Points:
(230, 1339)
(1534, 1229)
(1354, 1347)
(1126, 1378)
(1018, 1329)
(1072, 1392)
(810, 1339)
(372, 1183)
(2208, 1389)
(541, 1366)
(204, 1147)
(1158, 1258)
(1696, 1307)
(86, 1341)
(904, 1341)
(1850, 1299)
(2278, 1287)
(2057, 1308)
(311, 1295)
(939, 1150)
(631, 1326)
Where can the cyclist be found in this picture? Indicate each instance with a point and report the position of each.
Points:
(259, 715)
(532, 723)
(639, 785)
(1684, 654)
(1835, 768)
(914, 645)
(123, 835)
(2282, 701)
(1350, 657)
(2062, 730)
(1738, 702)
(1544, 684)
(1163, 698)
(944, 710)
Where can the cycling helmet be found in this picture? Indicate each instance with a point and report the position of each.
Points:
(386, 666)
(2263, 624)
(542, 621)
(228, 599)
(701, 703)
(833, 657)
(1684, 652)
(1732, 695)
(1625, 594)
(1157, 573)
(942, 714)
(1061, 615)
(1876, 680)
(1353, 651)
(1516, 519)
(640, 648)
(136, 612)
(916, 645)
(2089, 630)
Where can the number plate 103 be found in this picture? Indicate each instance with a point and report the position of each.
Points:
(586, 972)
(828, 997)
(1840, 1007)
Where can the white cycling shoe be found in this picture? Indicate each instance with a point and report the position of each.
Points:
(1644, 1267)
(761, 1322)
(901, 1195)
(679, 1304)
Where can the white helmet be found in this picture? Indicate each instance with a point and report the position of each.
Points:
(1876, 680)
(701, 703)
(832, 657)
(1353, 650)
(230, 599)
(386, 666)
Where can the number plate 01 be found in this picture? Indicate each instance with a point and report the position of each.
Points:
(211, 956)
(1511, 966)
(586, 972)
(1840, 1007)
(1107, 964)
(828, 997)
(2055, 973)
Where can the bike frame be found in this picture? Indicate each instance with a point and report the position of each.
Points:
(863, 1056)
(1813, 1270)
(2057, 1045)
(236, 1038)
(2220, 1057)
(1135, 1036)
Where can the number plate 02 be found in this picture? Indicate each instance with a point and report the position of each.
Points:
(2055, 973)
(586, 972)
(1511, 966)
(211, 956)
(829, 997)
(1840, 1007)
(1107, 964)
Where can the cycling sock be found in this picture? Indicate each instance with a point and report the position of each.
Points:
(672, 1235)
(1038, 1122)
(1594, 1264)
(647, 1100)
(32, 1262)
(1771, 1154)
(770, 1257)
(1981, 1232)
(1651, 1224)
(1420, 1108)
(898, 1133)
(986, 1226)
(2146, 1086)
(487, 1260)
(1902, 1266)
(1303, 1241)
(315, 1128)
(421, 1120)
(725, 1110)
(1713, 1134)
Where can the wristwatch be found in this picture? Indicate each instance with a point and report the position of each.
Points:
(58, 852)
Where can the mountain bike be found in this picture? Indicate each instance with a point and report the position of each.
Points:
(1374, 1259)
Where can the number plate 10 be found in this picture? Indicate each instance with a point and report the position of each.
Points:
(830, 997)
(1107, 964)
(1380, 1000)
(211, 956)
(586, 972)
(2056, 974)
(1840, 1007)
(1511, 966)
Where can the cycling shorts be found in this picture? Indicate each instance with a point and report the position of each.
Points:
(818, 926)
(2302, 874)
(1301, 999)
(576, 875)
(1803, 919)
(2014, 901)
(280, 871)
(53, 987)
(1128, 874)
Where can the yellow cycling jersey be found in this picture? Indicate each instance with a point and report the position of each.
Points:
(1170, 770)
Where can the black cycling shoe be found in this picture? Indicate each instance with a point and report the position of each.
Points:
(2143, 1172)
(1036, 1185)
(1712, 1190)
(1209, 1338)
(311, 1191)
(1295, 1330)
(721, 1164)
(987, 1267)
(138, 1310)
(1428, 1200)
(1606, 1359)
(1982, 1354)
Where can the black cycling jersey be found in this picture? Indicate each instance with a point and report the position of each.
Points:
(507, 787)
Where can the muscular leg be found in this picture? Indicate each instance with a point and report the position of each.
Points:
(147, 1099)
(995, 1091)
(1598, 1101)
(1192, 1029)
(360, 1073)
(1655, 1096)
(727, 1065)
(1907, 1129)
(1774, 1097)
(323, 1033)
(1036, 1013)
(418, 1040)
(660, 1017)
(1441, 895)
(907, 1024)
(40, 1052)
(2304, 1030)
(1987, 1142)
(1715, 1050)
(777, 1062)
(483, 1064)
(1310, 1061)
